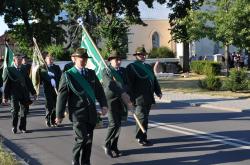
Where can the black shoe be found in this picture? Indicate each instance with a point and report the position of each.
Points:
(75, 163)
(14, 130)
(47, 123)
(144, 142)
(24, 131)
(108, 152)
(117, 153)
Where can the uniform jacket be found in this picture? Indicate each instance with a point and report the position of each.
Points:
(46, 79)
(17, 85)
(80, 108)
(141, 87)
(113, 88)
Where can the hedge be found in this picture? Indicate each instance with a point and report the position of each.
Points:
(205, 67)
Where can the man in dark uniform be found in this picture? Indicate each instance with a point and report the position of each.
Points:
(142, 84)
(115, 88)
(50, 76)
(80, 87)
(17, 86)
(27, 67)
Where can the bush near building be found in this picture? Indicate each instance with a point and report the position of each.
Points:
(205, 67)
(211, 82)
(161, 52)
(237, 80)
(58, 52)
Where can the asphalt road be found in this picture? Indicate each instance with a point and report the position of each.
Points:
(181, 135)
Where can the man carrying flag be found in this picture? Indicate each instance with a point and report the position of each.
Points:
(116, 89)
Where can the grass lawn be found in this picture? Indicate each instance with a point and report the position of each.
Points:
(190, 85)
(6, 158)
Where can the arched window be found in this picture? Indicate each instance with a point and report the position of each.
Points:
(155, 40)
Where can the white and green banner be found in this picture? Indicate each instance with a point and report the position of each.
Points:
(96, 63)
(8, 59)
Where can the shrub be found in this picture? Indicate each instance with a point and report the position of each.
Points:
(58, 52)
(211, 83)
(162, 52)
(205, 67)
(237, 80)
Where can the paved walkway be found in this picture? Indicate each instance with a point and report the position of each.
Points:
(208, 101)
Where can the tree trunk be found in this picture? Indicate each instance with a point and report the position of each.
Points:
(185, 57)
(226, 55)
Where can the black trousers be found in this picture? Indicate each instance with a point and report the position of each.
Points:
(83, 142)
(142, 112)
(114, 127)
(17, 110)
(50, 106)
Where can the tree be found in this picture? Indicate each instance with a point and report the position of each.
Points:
(226, 21)
(109, 19)
(179, 29)
(33, 18)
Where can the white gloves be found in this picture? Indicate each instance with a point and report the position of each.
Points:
(53, 83)
(51, 74)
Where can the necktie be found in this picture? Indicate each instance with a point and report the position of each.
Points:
(82, 72)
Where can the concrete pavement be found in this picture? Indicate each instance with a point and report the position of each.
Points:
(207, 101)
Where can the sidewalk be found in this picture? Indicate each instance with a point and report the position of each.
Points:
(207, 101)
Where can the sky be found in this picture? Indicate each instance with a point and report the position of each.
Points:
(158, 12)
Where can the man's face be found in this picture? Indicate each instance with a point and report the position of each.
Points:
(115, 62)
(17, 60)
(141, 57)
(49, 60)
(80, 62)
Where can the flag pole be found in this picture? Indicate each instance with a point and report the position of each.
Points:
(94, 45)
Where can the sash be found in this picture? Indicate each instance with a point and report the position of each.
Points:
(82, 82)
(116, 75)
(148, 72)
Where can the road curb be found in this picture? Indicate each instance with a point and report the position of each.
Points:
(218, 107)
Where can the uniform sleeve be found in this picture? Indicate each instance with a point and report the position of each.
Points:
(130, 81)
(62, 97)
(112, 84)
(58, 75)
(157, 88)
(99, 92)
(6, 87)
(30, 85)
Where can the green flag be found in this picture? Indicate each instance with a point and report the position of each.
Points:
(96, 62)
(8, 59)
(36, 63)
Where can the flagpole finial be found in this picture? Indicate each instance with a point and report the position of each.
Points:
(80, 21)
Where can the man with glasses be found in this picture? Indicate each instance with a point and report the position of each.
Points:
(142, 84)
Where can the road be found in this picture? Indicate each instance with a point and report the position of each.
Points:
(181, 135)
